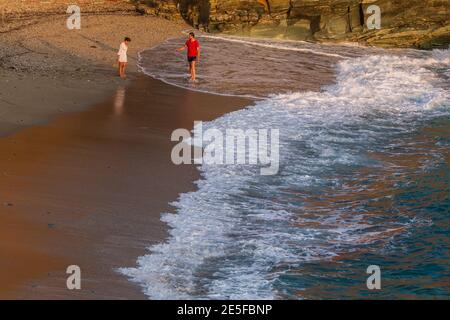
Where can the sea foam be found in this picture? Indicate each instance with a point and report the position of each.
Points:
(239, 232)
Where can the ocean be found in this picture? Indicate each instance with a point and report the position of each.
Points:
(363, 177)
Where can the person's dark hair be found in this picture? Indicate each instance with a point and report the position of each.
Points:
(192, 34)
(127, 39)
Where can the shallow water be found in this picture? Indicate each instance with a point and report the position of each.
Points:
(363, 176)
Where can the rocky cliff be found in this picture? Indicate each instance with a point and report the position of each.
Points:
(404, 23)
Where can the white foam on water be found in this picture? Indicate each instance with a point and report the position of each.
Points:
(240, 231)
(173, 79)
(273, 45)
(228, 62)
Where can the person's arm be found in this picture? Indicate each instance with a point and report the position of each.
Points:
(198, 54)
(182, 48)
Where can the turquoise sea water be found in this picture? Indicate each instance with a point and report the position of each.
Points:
(363, 179)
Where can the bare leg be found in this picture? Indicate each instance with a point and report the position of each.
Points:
(124, 69)
(193, 71)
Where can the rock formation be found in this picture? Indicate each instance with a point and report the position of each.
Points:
(404, 23)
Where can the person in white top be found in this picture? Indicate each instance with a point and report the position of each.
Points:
(122, 56)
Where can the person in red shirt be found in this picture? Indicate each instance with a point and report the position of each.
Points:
(193, 54)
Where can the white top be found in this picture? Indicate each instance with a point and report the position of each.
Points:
(123, 52)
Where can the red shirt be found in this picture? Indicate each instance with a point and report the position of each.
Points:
(193, 47)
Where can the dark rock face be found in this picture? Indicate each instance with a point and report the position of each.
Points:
(167, 9)
(404, 23)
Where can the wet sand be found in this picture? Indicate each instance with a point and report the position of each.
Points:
(89, 187)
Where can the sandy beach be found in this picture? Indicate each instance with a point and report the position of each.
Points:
(88, 189)
(87, 177)
(46, 69)
(85, 159)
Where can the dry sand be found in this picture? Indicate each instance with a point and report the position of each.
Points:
(46, 69)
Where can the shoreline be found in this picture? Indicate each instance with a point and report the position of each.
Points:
(87, 170)
(47, 70)
(72, 183)
(47, 79)
(93, 153)
(52, 91)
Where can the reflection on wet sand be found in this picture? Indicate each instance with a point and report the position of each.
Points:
(119, 101)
